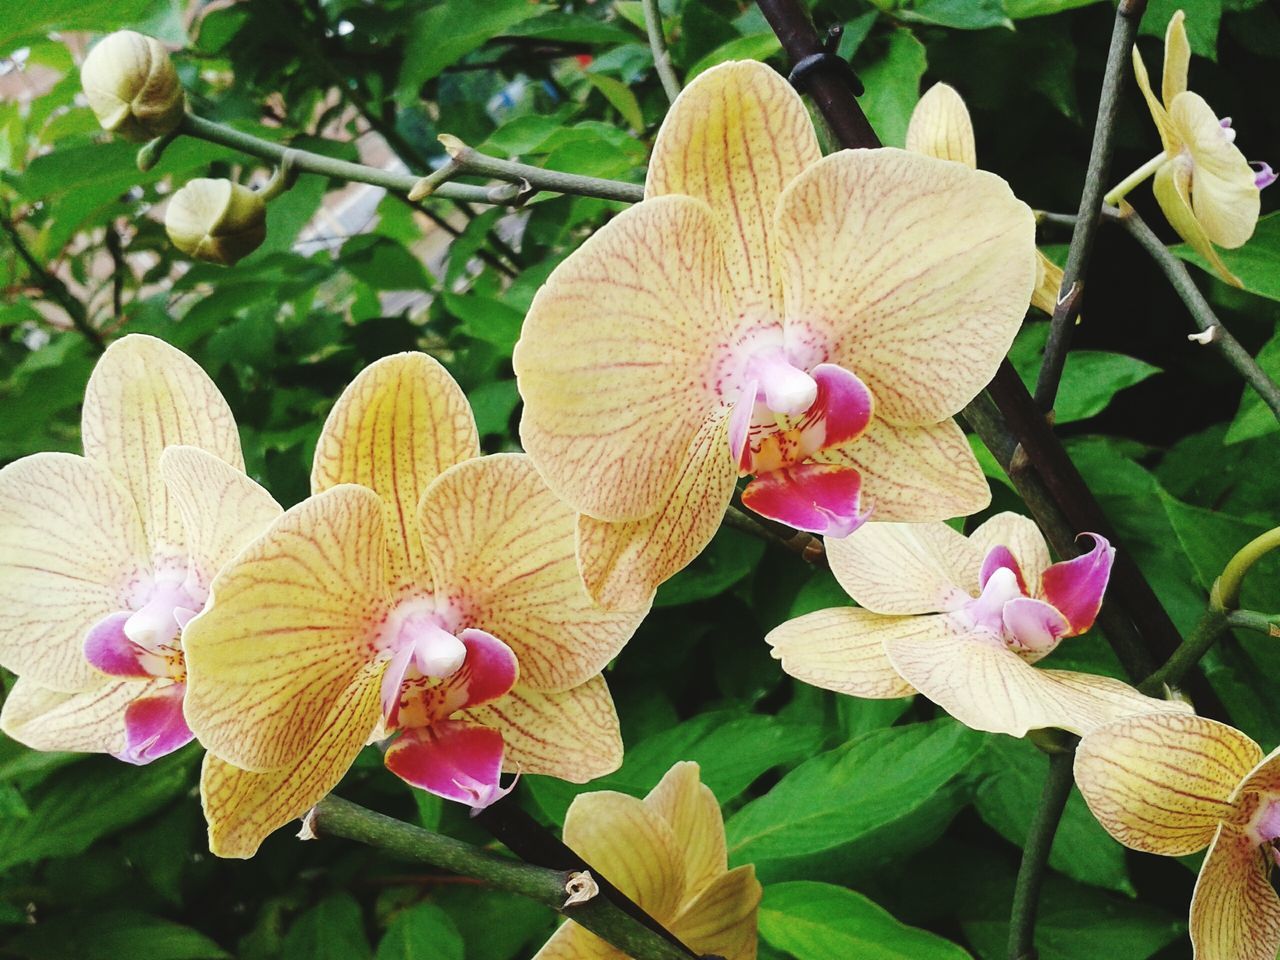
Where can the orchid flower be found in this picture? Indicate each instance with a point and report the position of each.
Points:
(1207, 189)
(1173, 784)
(104, 557)
(961, 620)
(667, 854)
(812, 323)
(940, 127)
(422, 591)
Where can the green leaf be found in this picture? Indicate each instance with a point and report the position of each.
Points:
(1254, 418)
(730, 556)
(819, 921)
(868, 790)
(331, 930)
(1008, 798)
(442, 35)
(100, 16)
(893, 86)
(421, 931)
(383, 264)
(1025, 9)
(1202, 23)
(570, 28)
(957, 14)
(620, 95)
(1254, 263)
(759, 46)
(487, 319)
(493, 403)
(110, 936)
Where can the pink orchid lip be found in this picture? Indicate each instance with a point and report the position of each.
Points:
(454, 759)
(1264, 828)
(145, 642)
(154, 726)
(820, 498)
(1263, 176)
(1075, 587)
(999, 557)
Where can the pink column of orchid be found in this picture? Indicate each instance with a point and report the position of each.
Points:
(424, 592)
(811, 323)
(105, 557)
(961, 620)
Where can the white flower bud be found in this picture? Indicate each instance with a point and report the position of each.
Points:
(132, 86)
(216, 221)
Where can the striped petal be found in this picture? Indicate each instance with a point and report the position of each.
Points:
(842, 649)
(914, 473)
(940, 127)
(575, 942)
(287, 630)
(72, 550)
(1021, 537)
(1224, 195)
(572, 735)
(991, 688)
(1048, 284)
(91, 721)
(400, 424)
(631, 846)
(1172, 189)
(1177, 58)
(504, 547)
(721, 920)
(623, 563)
(911, 272)
(734, 138)
(143, 396)
(693, 814)
(1235, 913)
(1161, 783)
(906, 568)
(617, 359)
(243, 808)
(221, 509)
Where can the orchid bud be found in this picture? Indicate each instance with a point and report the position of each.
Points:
(216, 221)
(132, 86)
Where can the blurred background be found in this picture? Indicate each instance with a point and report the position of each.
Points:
(99, 860)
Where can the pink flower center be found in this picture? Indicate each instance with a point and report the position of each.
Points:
(145, 640)
(419, 643)
(1003, 614)
(1264, 828)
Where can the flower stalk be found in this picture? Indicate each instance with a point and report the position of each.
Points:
(1035, 855)
(1143, 173)
(658, 44)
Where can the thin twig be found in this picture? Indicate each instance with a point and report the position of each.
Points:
(1070, 298)
(658, 44)
(115, 247)
(53, 285)
(599, 914)
(470, 160)
(1216, 334)
(806, 545)
(1035, 855)
(1212, 625)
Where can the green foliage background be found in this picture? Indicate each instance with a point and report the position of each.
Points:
(860, 816)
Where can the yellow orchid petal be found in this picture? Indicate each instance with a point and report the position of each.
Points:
(914, 473)
(1224, 195)
(1235, 913)
(71, 550)
(617, 355)
(243, 808)
(721, 920)
(285, 632)
(1160, 783)
(693, 813)
(1172, 188)
(1164, 126)
(991, 688)
(91, 721)
(842, 649)
(221, 508)
(1048, 284)
(911, 272)
(1263, 778)
(1177, 58)
(1021, 537)
(631, 846)
(504, 546)
(143, 396)
(623, 563)
(735, 137)
(400, 424)
(572, 735)
(575, 942)
(940, 127)
(902, 568)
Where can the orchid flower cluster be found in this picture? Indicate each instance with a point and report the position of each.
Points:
(768, 324)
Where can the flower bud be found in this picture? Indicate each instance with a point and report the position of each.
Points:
(216, 221)
(132, 86)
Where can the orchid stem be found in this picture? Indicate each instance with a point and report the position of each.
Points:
(1070, 298)
(1268, 623)
(1220, 337)
(1035, 856)
(1121, 189)
(658, 44)
(1226, 591)
(806, 545)
(1205, 634)
(336, 817)
(469, 160)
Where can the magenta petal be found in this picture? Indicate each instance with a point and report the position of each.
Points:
(489, 671)
(1263, 175)
(154, 726)
(844, 404)
(997, 557)
(1076, 586)
(452, 759)
(740, 422)
(1034, 625)
(109, 650)
(818, 497)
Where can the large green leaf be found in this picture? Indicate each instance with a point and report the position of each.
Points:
(111, 936)
(957, 14)
(331, 930)
(1254, 418)
(892, 82)
(421, 931)
(23, 19)
(819, 921)
(1254, 263)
